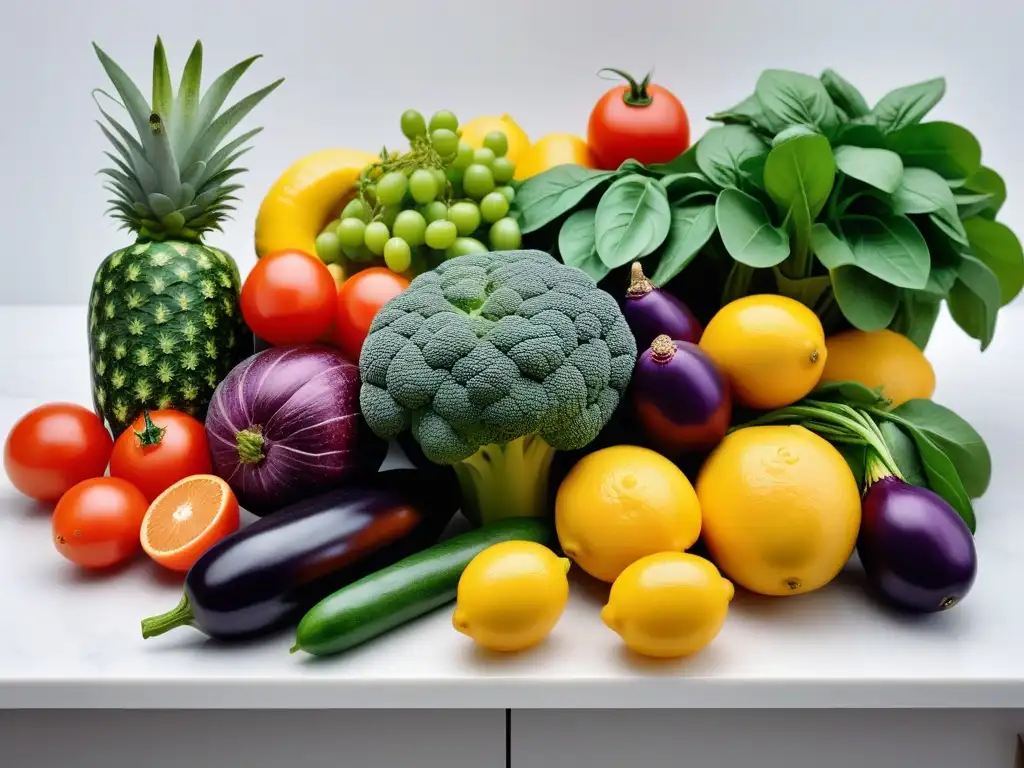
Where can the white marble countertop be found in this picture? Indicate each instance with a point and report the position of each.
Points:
(69, 640)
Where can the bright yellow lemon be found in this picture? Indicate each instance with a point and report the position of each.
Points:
(880, 359)
(551, 150)
(474, 131)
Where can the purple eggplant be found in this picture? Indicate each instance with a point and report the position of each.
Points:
(918, 553)
(651, 312)
(681, 400)
(268, 574)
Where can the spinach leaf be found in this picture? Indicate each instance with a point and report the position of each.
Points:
(916, 317)
(881, 168)
(747, 112)
(844, 95)
(794, 132)
(798, 174)
(632, 220)
(904, 452)
(850, 392)
(974, 300)
(943, 478)
(692, 227)
(791, 97)
(832, 251)
(721, 151)
(986, 181)
(948, 221)
(680, 185)
(996, 246)
(856, 458)
(747, 232)
(868, 303)
(951, 434)
(635, 166)
(684, 163)
(970, 204)
(543, 198)
(948, 149)
(577, 244)
(857, 135)
(908, 105)
(890, 248)
(806, 290)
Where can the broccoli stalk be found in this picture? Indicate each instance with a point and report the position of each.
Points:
(506, 480)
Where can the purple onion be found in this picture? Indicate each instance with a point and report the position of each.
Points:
(917, 552)
(285, 425)
(681, 400)
(651, 312)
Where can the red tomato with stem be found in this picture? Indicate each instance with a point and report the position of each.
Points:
(54, 447)
(289, 298)
(98, 523)
(641, 121)
(359, 299)
(159, 449)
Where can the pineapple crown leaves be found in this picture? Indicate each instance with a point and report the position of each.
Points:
(170, 178)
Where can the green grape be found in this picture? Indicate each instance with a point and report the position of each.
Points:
(441, 234)
(478, 181)
(508, 192)
(445, 142)
(410, 226)
(497, 142)
(503, 170)
(435, 211)
(350, 232)
(333, 226)
(413, 124)
(465, 216)
(484, 156)
(355, 210)
(442, 180)
(423, 185)
(397, 254)
(463, 157)
(375, 237)
(465, 246)
(494, 206)
(505, 235)
(327, 247)
(370, 193)
(444, 119)
(391, 188)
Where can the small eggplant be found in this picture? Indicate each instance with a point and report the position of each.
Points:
(918, 553)
(650, 312)
(680, 399)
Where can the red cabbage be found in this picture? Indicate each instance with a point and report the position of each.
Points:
(285, 425)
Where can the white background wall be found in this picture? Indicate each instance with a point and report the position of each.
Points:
(352, 67)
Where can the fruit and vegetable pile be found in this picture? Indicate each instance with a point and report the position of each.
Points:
(680, 369)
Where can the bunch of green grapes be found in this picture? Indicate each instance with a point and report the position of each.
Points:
(441, 199)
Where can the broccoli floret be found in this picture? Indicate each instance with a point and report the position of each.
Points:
(494, 361)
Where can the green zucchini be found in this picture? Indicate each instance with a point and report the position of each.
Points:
(404, 591)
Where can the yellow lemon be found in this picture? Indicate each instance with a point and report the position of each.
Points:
(474, 131)
(781, 509)
(668, 605)
(880, 359)
(511, 595)
(770, 348)
(621, 503)
(551, 150)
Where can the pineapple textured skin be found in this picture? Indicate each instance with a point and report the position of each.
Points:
(164, 329)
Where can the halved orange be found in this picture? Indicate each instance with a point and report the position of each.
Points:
(187, 519)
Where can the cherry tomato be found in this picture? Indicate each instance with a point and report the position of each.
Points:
(288, 298)
(640, 121)
(98, 522)
(53, 447)
(159, 449)
(359, 298)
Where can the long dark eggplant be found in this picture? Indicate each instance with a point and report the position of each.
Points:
(267, 575)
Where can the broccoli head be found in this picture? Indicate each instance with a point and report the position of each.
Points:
(493, 361)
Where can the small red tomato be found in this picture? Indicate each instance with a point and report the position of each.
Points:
(640, 121)
(161, 448)
(359, 299)
(53, 447)
(97, 523)
(289, 298)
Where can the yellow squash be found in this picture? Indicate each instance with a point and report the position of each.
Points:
(306, 197)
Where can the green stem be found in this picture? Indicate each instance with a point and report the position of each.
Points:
(637, 95)
(875, 469)
(151, 434)
(250, 446)
(180, 616)
(833, 199)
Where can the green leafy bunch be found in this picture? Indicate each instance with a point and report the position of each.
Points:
(866, 214)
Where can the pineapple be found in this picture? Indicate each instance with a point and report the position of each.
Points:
(164, 321)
